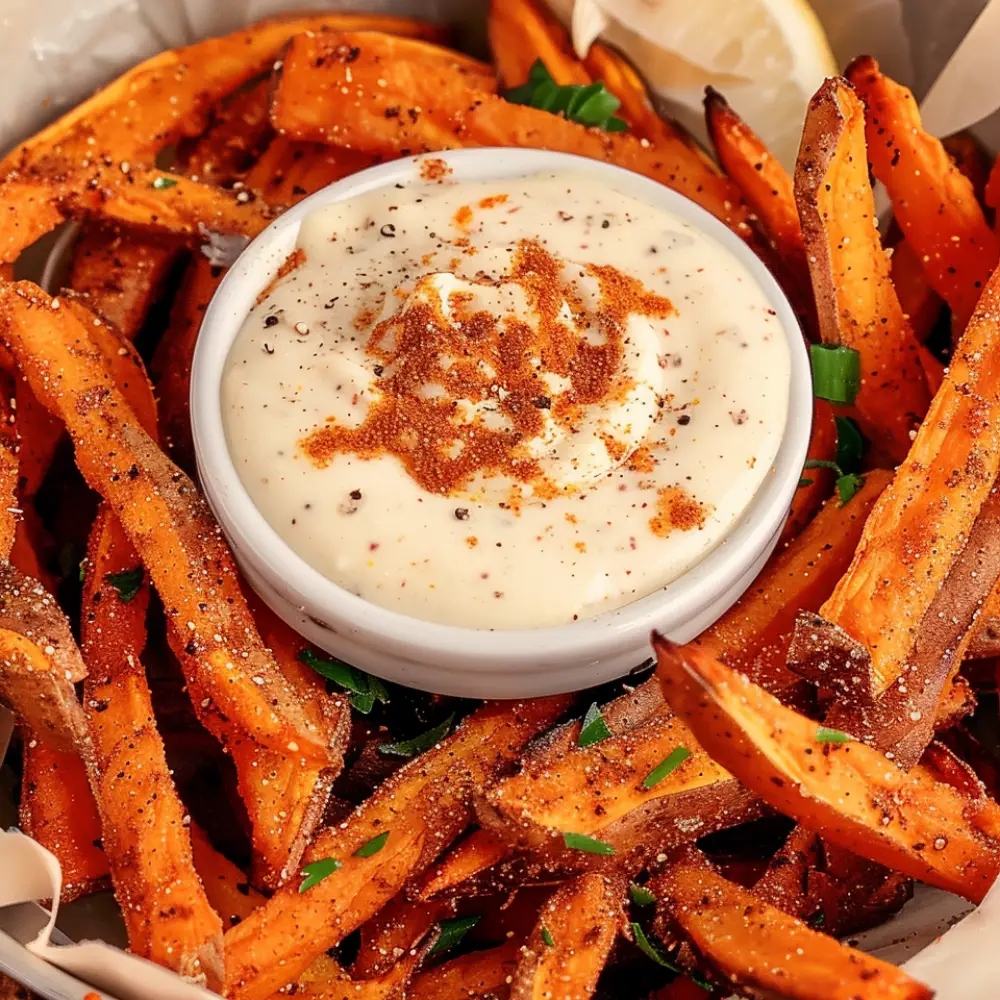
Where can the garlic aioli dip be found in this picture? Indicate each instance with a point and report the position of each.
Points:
(505, 404)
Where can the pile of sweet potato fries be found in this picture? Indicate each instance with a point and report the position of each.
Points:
(274, 821)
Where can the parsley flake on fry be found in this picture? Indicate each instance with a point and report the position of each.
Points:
(581, 842)
(826, 735)
(373, 846)
(127, 582)
(547, 937)
(668, 765)
(594, 728)
(317, 871)
(452, 931)
(410, 748)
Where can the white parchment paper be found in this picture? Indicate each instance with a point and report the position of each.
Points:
(55, 52)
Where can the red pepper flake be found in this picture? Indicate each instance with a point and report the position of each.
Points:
(373, 546)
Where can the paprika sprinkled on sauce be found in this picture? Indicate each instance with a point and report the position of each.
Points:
(516, 404)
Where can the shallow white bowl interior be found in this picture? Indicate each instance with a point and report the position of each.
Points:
(472, 662)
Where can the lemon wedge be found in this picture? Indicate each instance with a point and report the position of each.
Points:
(768, 57)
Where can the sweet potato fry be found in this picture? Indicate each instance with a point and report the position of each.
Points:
(809, 497)
(753, 635)
(423, 806)
(481, 850)
(57, 809)
(847, 791)
(119, 274)
(921, 305)
(752, 944)
(766, 185)
(167, 914)
(968, 154)
(393, 931)
(9, 464)
(606, 791)
(168, 521)
(226, 886)
(934, 202)
(520, 33)
(572, 940)
(39, 662)
(157, 102)
(856, 303)
(480, 974)
(39, 433)
(400, 107)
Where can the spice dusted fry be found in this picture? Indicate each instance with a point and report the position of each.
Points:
(481, 850)
(752, 944)
(167, 914)
(308, 104)
(934, 202)
(394, 931)
(423, 806)
(816, 483)
(163, 99)
(39, 663)
(481, 973)
(168, 521)
(845, 790)
(921, 305)
(9, 465)
(638, 793)
(753, 635)
(521, 33)
(765, 184)
(120, 274)
(226, 886)
(856, 303)
(576, 930)
(57, 809)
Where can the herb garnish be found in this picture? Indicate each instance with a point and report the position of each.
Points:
(594, 728)
(836, 372)
(410, 748)
(581, 842)
(364, 689)
(452, 931)
(649, 950)
(373, 846)
(668, 765)
(317, 871)
(826, 735)
(162, 183)
(127, 582)
(591, 104)
(641, 896)
(547, 938)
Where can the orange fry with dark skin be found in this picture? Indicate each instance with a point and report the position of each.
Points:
(521, 32)
(850, 793)
(572, 940)
(934, 202)
(856, 303)
(752, 944)
(57, 809)
(481, 973)
(453, 113)
(167, 519)
(167, 914)
(423, 806)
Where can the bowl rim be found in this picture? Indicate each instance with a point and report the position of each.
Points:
(481, 650)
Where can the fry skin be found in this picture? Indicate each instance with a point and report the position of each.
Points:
(856, 303)
(452, 113)
(848, 792)
(935, 204)
(576, 929)
(167, 914)
(752, 944)
(424, 806)
(167, 520)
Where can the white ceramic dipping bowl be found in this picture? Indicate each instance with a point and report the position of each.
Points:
(468, 662)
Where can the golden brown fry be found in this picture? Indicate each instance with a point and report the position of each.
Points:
(226, 887)
(57, 809)
(846, 791)
(384, 118)
(576, 929)
(856, 303)
(809, 497)
(423, 806)
(481, 850)
(9, 464)
(920, 303)
(753, 635)
(393, 931)
(481, 973)
(39, 662)
(752, 944)
(167, 914)
(934, 202)
(157, 102)
(764, 182)
(520, 33)
(918, 530)
(215, 640)
(119, 274)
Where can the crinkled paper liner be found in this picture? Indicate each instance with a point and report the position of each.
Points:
(58, 50)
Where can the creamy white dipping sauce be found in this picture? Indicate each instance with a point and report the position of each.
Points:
(505, 404)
